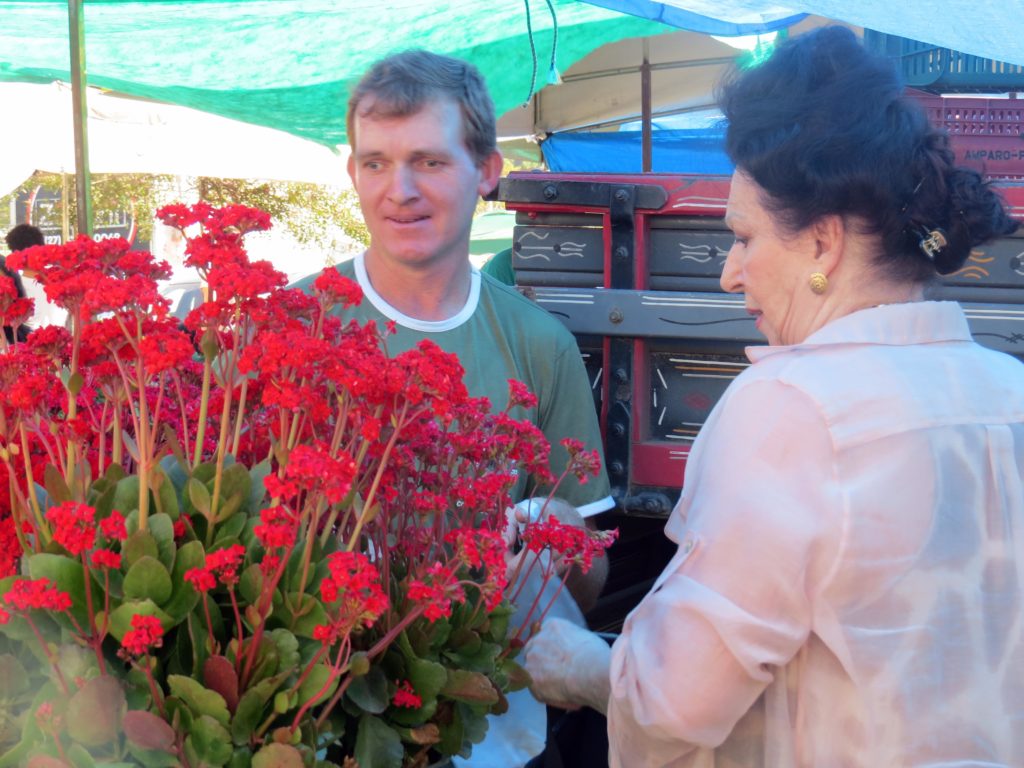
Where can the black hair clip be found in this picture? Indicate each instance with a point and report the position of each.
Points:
(932, 242)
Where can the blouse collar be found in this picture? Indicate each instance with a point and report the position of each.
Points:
(918, 322)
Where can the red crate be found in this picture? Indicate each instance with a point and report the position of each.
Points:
(986, 134)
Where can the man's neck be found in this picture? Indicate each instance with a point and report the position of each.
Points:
(432, 292)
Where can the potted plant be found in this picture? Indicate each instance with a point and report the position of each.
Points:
(254, 538)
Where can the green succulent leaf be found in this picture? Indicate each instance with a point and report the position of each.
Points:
(378, 745)
(287, 649)
(251, 707)
(126, 494)
(308, 614)
(152, 758)
(13, 677)
(370, 692)
(250, 583)
(103, 500)
(164, 493)
(518, 677)
(230, 530)
(471, 687)
(210, 741)
(258, 491)
(428, 678)
(162, 528)
(235, 484)
(147, 731)
(219, 675)
(45, 761)
(67, 575)
(276, 755)
(319, 685)
(138, 545)
(183, 597)
(199, 496)
(96, 711)
(56, 488)
(201, 700)
(121, 617)
(148, 578)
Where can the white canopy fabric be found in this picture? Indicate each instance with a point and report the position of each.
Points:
(135, 136)
(993, 29)
(605, 87)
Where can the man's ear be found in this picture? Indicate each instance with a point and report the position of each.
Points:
(490, 172)
(830, 241)
(351, 166)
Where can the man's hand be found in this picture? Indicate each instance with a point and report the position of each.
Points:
(585, 588)
(570, 666)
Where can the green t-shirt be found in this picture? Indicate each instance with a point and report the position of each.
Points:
(500, 335)
(499, 266)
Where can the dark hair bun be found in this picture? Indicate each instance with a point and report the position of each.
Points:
(976, 215)
(824, 127)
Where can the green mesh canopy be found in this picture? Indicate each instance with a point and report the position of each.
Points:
(288, 64)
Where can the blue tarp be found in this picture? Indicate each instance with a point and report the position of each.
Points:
(696, 150)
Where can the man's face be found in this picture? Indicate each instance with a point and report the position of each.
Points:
(418, 185)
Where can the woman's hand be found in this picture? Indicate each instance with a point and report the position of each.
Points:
(569, 666)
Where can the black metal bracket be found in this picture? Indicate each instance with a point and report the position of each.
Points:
(584, 194)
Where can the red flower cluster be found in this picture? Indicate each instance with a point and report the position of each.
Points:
(336, 289)
(113, 527)
(405, 696)
(485, 550)
(221, 565)
(39, 594)
(436, 592)
(104, 558)
(278, 528)
(312, 468)
(14, 311)
(574, 543)
(520, 396)
(582, 463)
(74, 527)
(89, 277)
(355, 595)
(145, 635)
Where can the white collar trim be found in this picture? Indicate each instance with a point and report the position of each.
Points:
(413, 323)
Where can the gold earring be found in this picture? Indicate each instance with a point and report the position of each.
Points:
(819, 283)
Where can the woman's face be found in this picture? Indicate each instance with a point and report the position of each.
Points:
(772, 268)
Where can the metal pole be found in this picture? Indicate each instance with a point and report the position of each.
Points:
(645, 112)
(65, 208)
(83, 181)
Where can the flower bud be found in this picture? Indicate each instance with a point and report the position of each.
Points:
(359, 664)
(281, 702)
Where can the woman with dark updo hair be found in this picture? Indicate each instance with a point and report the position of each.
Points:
(848, 585)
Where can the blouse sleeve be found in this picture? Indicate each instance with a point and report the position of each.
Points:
(763, 518)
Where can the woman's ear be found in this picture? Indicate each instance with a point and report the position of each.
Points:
(830, 242)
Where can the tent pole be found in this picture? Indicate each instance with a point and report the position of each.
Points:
(645, 112)
(83, 181)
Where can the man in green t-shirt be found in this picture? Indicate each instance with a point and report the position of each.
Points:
(424, 149)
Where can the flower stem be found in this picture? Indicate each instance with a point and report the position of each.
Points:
(204, 407)
(41, 526)
(72, 411)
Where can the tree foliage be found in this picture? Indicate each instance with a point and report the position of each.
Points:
(315, 215)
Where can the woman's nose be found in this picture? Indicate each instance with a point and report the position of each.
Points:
(732, 279)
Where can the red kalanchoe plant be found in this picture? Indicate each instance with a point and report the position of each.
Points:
(254, 536)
